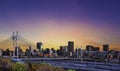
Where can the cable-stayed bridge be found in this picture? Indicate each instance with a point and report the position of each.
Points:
(9, 43)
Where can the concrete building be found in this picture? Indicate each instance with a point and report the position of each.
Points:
(70, 48)
(39, 46)
(106, 47)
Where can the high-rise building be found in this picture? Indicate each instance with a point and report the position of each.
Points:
(53, 50)
(30, 50)
(89, 48)
(47, 51)
(71, 46)
(105, 47)
(96, 49)
(63, 50)
(39, 46)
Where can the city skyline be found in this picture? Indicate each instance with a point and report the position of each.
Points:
(56, 22)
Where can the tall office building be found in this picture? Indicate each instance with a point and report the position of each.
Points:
(31, 50)
(89, 48)
(96, 49)
(63, 50)
(71, 46)
(106, 47)
(39, 46)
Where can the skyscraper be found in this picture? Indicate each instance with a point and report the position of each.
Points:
(63, 50)
(96, 49)
(105, 47)
(71, 46)
(39, 46)
(89, 48)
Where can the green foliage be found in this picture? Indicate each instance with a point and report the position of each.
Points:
(19, 67)
(12, 66)
(43, 63)
(70, 70)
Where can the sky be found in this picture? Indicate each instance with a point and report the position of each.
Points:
(55, 22)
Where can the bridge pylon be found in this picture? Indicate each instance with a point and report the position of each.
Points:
(15, 43)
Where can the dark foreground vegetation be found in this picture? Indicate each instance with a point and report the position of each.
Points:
(7, 65)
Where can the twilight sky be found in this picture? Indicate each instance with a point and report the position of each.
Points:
(55, 22)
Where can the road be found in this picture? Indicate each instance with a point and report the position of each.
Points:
(78, 65)
(86, 66)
